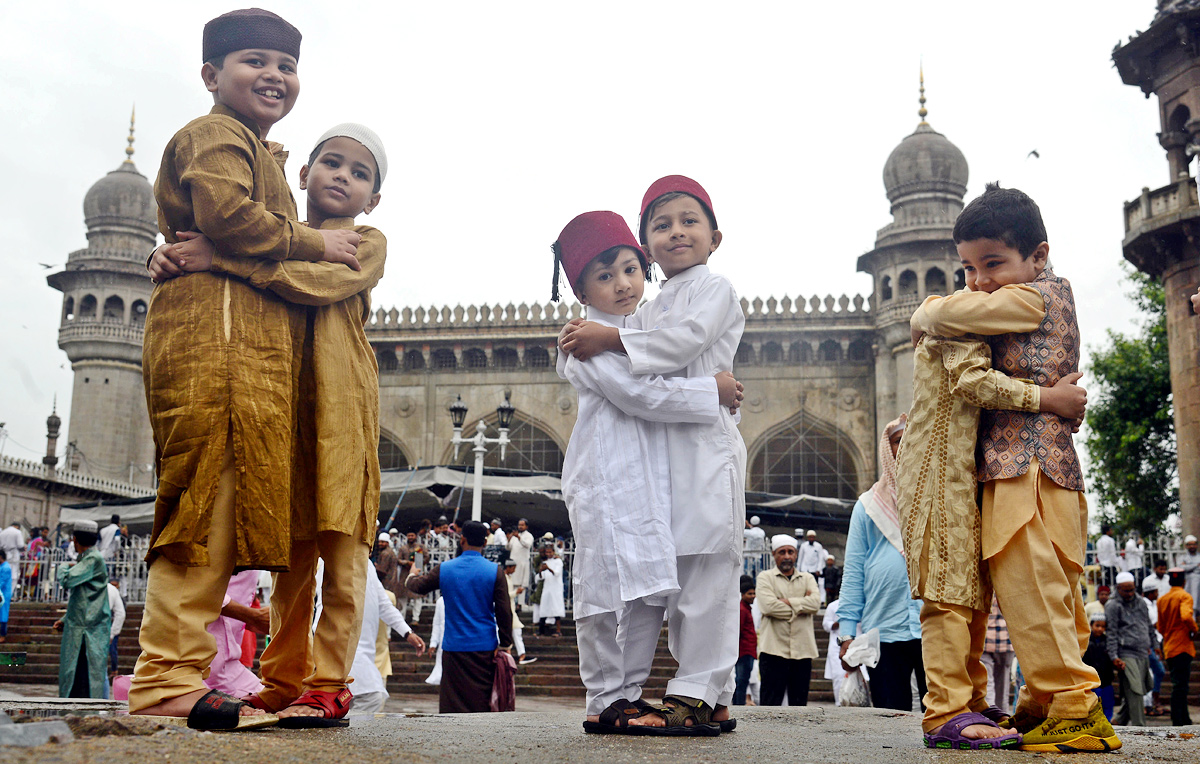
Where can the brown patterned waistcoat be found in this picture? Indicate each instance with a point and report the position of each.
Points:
(1009, 439)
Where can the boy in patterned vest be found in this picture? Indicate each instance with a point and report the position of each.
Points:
(1033, 510)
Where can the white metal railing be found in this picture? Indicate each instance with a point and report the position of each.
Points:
(1166, 547)
(35, 578)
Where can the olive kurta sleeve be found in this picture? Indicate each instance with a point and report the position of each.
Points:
(936, 487)
(315, 283)
(1010, 309)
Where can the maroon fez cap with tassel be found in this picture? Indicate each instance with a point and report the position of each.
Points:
(588, 235)
(249, 28)
(671, 184)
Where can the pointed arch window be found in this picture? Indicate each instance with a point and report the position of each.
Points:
(804, 456)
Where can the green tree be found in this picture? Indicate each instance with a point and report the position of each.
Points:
(1131, 432)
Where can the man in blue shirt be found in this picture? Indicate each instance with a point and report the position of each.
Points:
(475, 591)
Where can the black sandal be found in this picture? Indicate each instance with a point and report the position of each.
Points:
(221, 712)
(614, 720)
(676, 710)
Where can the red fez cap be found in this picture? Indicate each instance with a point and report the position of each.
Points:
(586, 236)
(1103, 588)
(670, 184)
(249, 28)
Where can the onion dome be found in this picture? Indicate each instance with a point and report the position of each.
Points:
(924, 163)
(121, 200)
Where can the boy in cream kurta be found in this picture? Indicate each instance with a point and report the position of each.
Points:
(336, 475)
(616, 481)
(936, 498)
(1034, 515)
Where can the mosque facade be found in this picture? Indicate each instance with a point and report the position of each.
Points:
(823, 373)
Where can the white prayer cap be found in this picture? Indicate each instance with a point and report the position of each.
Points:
(1150, 582)
(1189, 539)
(88, 526)
(811, 534)
(1097, 616)
(384, 537)
(830, 557)
(782, 540)
(755, 521)
(799, 532)
(394, 532)
(364, 135)
(1125, 578)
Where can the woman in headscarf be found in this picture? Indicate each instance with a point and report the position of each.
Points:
(875, 591)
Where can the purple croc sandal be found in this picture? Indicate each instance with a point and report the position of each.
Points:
(950, 735)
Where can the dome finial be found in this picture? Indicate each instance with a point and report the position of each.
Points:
(923, 112)
(129, 148)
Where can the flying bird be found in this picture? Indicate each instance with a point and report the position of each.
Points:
(47, 267)
(1033, 154)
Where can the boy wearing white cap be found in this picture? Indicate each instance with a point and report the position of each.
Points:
(335, 480)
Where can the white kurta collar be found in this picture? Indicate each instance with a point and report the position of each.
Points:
(595, 314)
(691, 274)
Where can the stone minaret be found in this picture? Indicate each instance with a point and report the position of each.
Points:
(1162, 226)
(53, 422)
(106, 291)
(914, 256)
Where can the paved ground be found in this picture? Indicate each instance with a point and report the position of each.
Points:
(817, 734)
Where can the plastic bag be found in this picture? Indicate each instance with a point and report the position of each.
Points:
(864, 650)
(855, 692)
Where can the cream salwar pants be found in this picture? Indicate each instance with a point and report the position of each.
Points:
(1033, 541)
(181, 602)
(298, 658)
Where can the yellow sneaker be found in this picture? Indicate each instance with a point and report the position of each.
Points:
(1093, 734)
(1022, 721)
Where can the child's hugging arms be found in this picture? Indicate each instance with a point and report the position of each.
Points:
(981, 385)
(215, 164)
(297, 281)
(654, 398)
(1010, 309)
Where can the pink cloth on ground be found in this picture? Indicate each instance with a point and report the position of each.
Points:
(228, 674)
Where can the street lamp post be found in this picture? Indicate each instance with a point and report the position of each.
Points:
(458, 415)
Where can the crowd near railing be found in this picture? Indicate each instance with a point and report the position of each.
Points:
(35, 577)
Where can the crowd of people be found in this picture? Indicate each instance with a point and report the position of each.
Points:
(266, 425)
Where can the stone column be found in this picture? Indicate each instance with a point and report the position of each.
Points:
(1180, 281)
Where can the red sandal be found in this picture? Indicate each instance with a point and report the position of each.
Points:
(333, 706)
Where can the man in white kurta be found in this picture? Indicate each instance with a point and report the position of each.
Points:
(520, 544)
(811, 556)
(12, 541)
(368, 687)
(617, 487)
(551, 606)
(692, 329)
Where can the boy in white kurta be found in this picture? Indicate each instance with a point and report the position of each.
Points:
(616, 480)
(691, 329)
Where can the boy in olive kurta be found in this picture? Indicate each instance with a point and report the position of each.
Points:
(936, 498)
(336, 475)
(221, 363)
(83, 652)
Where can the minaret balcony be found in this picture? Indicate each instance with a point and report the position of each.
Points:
(1156, 220)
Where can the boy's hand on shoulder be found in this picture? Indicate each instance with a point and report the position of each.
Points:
(570, 327)
(191, 254)
(588, 339)
(341, 246)
(729, 391)
(1066, 399)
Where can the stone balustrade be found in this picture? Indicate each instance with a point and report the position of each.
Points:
(32, 469)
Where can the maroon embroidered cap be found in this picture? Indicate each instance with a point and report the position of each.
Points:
(586, 236)
(249, 28)
(670, 184)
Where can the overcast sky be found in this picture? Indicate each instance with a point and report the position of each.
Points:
(504, 120)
